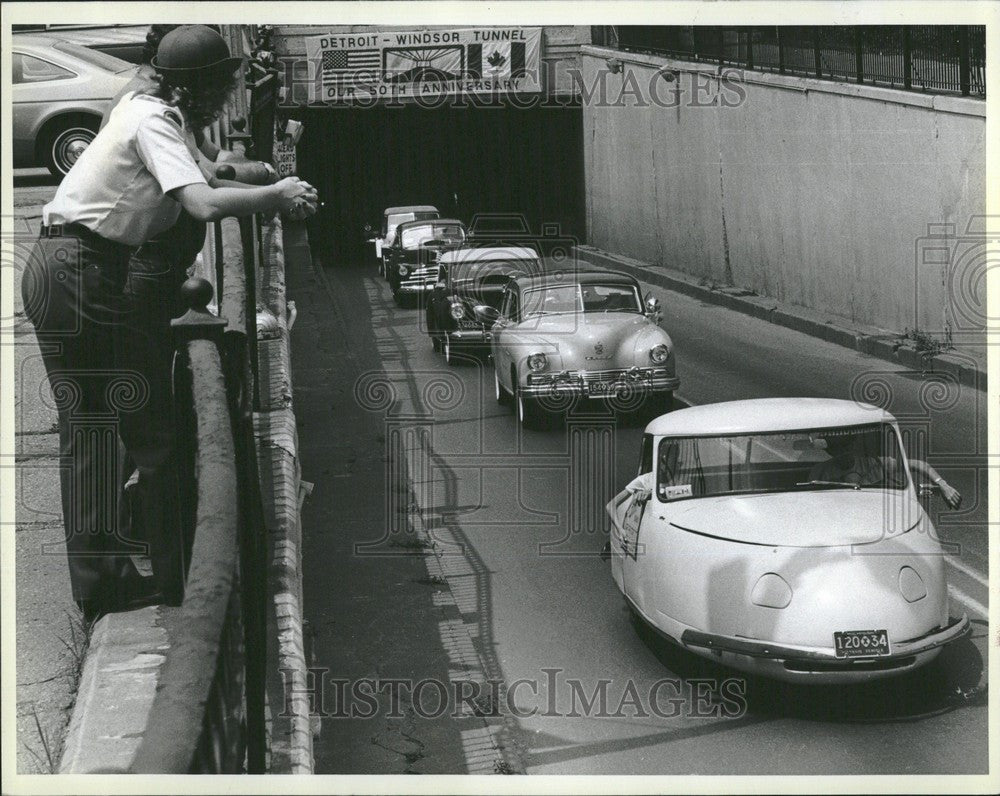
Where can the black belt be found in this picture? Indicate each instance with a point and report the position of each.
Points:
(74, 230)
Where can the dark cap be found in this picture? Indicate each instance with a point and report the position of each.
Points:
(194, 50)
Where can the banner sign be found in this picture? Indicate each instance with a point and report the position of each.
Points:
(423, 63)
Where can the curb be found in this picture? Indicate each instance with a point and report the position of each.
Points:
(121, 670)
(881, 343)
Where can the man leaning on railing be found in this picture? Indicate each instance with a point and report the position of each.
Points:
(97, 292)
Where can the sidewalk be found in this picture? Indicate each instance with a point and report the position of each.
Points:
(967, 364)
(51, 637)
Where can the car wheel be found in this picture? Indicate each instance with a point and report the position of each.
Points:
(435, 342)
(398, 297)
(529, 413)
(503, 397)
(66, 141)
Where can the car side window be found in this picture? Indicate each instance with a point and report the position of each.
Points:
(512, 306)
(28, 69)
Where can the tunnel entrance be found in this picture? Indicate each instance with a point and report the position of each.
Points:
(462, 160)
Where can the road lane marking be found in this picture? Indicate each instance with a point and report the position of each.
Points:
(967, 601)
(974, 574)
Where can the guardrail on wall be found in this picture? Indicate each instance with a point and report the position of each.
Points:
(935, 58)
(214, 676)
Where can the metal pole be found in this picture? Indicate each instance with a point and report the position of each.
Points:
(220, 267)
(859, 61)
(781, 50)
(816, 55)
(964, 61)
(907, 62)
(750, 48)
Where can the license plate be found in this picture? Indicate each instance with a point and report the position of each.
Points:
(861, 643)
(603, 388)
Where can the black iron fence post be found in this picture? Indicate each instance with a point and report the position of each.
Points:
(749, 60)
(781, 50)
(859, 61)
(907, 59)
(817, 56)
(964, 61)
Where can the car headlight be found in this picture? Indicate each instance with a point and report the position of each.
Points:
(457, 311)
(536, 362)
(911, 585)
(403, 270)
(659, 353)
(771, 591)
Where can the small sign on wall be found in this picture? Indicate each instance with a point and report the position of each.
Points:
(284, 158)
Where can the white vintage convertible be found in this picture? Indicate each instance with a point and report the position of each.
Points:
(784, 537)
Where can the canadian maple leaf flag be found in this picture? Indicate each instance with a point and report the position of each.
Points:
(500, 59)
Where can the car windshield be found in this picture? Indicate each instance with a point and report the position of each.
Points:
(396, 219)
(423, 233)
(556, 299)
(472, 269)
(841, 457)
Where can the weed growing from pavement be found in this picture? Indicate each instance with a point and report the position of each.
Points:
(926, 344)
(47, 761)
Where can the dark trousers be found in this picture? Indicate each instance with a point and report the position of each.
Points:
(143, 344)
(72, 290)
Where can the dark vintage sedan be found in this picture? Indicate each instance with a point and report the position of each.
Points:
(412, 261)
(471, 277)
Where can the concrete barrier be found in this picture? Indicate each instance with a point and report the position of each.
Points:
(855, 200)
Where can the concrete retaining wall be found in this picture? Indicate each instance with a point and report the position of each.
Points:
(813, 192)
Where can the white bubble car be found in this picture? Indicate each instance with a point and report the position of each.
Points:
(785, 537)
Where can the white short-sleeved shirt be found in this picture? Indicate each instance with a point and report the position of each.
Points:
(118, 188)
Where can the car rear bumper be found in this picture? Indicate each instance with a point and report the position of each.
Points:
(823, 660)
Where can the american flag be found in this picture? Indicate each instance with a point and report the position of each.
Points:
(339, 65)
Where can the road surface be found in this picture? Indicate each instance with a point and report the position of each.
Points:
(389, 434)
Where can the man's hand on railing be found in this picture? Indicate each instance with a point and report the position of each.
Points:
(299, 199)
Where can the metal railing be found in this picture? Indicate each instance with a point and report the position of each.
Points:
(214, 676)
(933, 58)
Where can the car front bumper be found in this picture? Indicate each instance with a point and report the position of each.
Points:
(601, 384)
(822, 662)
(469, 335)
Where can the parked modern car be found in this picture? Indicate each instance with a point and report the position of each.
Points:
(391, 219)
(470, 277)
(587, 333)
(738, 541)
(412, 260)
(59, 93)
